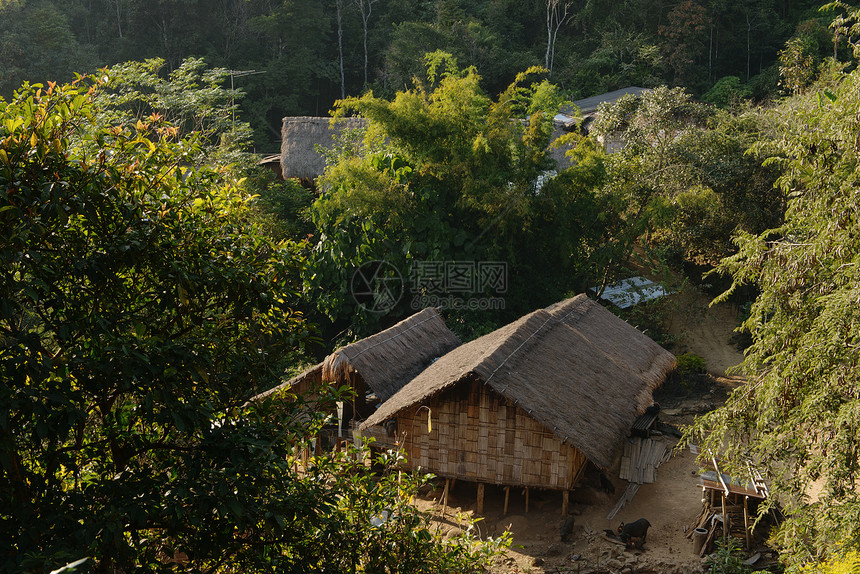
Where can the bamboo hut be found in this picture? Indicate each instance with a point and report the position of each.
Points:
(531, 403)
(300, 137)
(581, 115)
(381, 364)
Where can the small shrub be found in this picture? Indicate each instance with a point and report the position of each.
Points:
(728, 558)
(689, 364)
(847, 563)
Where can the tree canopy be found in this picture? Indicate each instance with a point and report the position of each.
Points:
(141, 306)
(797, 418)
(296, 57)
(444, 173)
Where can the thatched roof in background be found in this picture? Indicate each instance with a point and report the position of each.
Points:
(390, 359)
(299, 138)
(574, 367)
(298, 384)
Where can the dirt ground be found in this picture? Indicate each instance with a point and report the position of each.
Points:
(703, 330)
(671, 504)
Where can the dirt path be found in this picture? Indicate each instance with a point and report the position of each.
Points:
(703, 330)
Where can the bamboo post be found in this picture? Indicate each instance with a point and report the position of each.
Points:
(747, 522)
(507, 497)
(725, 520)
(445, 496)
(527, 499)
(480, 498)
(565, 499)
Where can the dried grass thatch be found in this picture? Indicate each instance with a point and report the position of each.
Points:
(574, 367)
(299, 385)
(390, 359)
(299, 138)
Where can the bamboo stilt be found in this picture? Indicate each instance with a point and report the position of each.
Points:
(747, 522)
(445, 496)
(527, 499)
(565, 499)
(480, 498)
(725, 520)
(507, 497)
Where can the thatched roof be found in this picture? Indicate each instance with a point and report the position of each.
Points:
(390, 359)
(298, 384)
(574, 367)
(299, 138)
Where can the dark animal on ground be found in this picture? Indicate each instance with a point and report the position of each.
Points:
(637, 529)
(606, 484)
(653, 409)
(567, 528)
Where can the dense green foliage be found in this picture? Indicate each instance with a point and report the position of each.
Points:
(445, 173)
(307, 53)
(686, 175)
(140, 307)
(798, 416)
(146, 294)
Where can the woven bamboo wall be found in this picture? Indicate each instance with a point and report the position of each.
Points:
(477, 435)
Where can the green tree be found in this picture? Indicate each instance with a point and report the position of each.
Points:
(446, 173)
(37, 44)
(685, 175)
(797, 418)
(140, 308)
(192, 98)
(685, 37)
(139, 304)
(797, 65)
(729, 92)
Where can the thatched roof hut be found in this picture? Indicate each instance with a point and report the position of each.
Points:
(529, 403)
(390, 359)
(299, 138)
(384, 362)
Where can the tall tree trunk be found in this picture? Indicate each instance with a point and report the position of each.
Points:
(548, 33)
(365, 7)
(118, 9)
(338, 4)
(556, 15)
(749, 32)
(711, 56)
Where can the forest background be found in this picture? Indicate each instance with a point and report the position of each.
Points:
(297, 57)
(151, 284)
